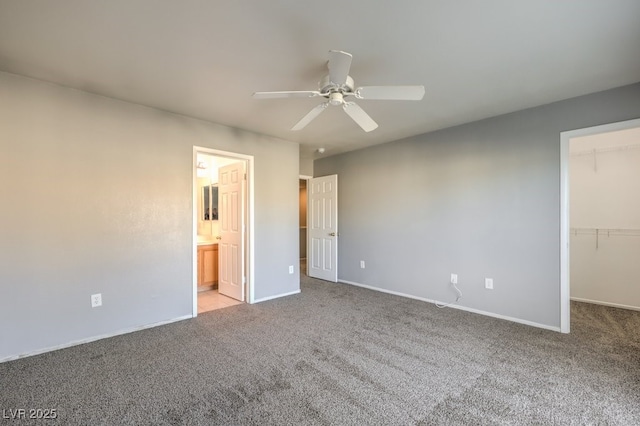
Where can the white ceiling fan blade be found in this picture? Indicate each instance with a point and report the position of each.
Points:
(399, 93)
(339, 65)
(310, 116)
(286, 94)
(359, 116)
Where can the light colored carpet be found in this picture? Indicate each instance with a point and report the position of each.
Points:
(340, 355)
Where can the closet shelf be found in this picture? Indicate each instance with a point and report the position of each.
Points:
(608, 232)
(605, 232)
(605, 149)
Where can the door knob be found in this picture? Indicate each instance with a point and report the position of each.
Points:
(333, 234)
(218, 237)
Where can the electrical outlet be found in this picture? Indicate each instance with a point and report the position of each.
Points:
(96, 300)
(362, 264)
(488, 283)
(291, 269)
(454, 278)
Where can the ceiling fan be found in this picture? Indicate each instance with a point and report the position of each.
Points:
(338, 85)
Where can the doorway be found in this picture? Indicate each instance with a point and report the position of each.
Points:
(565, 223)
(302, 182)
(222, 254)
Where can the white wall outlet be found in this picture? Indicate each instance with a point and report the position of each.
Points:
(96, 300)
(362, 264)
(291, 269)
(454, 278)
(488, 283)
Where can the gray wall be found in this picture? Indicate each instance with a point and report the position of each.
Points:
(480, 200)
(306, 166)
(97, 197)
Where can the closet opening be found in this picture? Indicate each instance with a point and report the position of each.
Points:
(600, 217)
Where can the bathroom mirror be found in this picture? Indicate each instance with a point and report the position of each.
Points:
(210, 202)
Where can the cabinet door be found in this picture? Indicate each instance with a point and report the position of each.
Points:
(209, 264)
(199, 265)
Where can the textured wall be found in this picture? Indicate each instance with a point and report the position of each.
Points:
(97, 197)
(480, 200)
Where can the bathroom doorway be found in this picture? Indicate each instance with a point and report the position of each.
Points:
(222, 226)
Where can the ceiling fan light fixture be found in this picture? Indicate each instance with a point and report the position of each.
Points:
(336, 98)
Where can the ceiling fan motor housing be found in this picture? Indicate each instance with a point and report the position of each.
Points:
(327, 86)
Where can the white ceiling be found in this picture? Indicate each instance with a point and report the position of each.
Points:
(204, 59)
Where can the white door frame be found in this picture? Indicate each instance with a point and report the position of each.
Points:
(565, 139)
(248, 221)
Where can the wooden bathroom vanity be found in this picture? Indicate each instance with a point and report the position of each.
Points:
(207, 266)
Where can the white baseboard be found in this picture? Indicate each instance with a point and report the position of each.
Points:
(92, 339)
(277, 296)
(462, 308)
(613, 305)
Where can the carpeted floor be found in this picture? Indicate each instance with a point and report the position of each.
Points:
(341, 355)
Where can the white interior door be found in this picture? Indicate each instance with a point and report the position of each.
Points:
(322, 226)
(231, 238)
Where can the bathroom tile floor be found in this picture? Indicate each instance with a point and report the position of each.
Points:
(210, 299)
